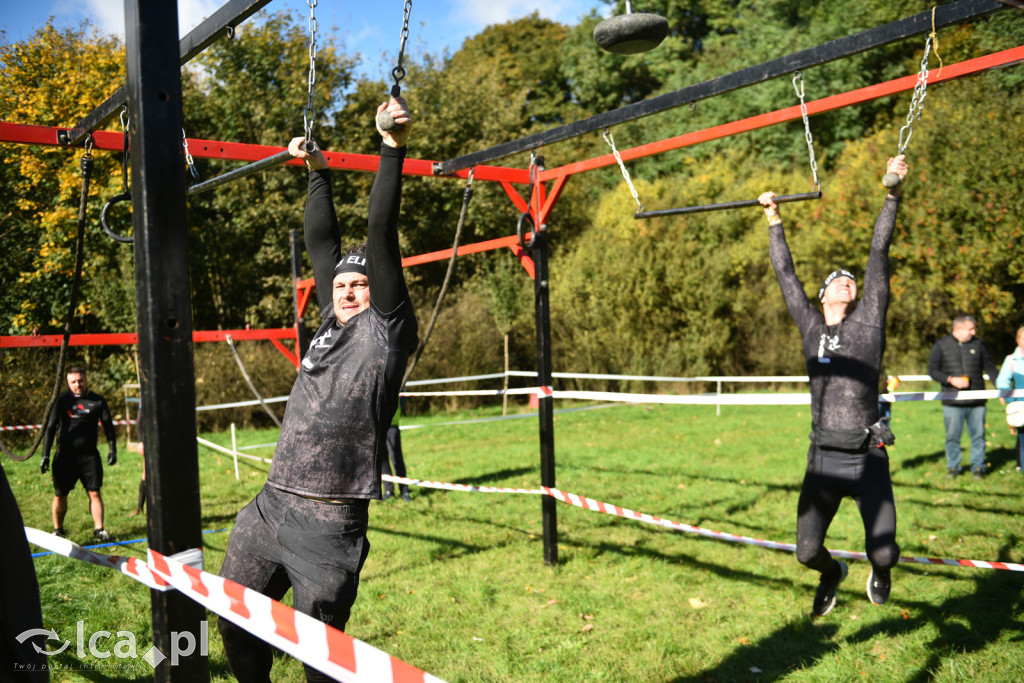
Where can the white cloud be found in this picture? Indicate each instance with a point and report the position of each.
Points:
(108, 16)
(489, 12)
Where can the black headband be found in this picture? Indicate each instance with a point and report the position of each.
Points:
(351, 263)
(832, 276)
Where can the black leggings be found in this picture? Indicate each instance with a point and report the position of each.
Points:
(831, 476)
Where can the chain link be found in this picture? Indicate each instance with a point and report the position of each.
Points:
(798, 85)
(309, 114)
(917, 101)
(398, 73)
(625, 173)
(188, 156)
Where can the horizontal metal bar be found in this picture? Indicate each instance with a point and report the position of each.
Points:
(219, 24)
(945, 15)
(238, 173)
(949, 72)
(781, 199)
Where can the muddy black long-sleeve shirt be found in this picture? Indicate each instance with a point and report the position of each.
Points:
(843, 360)
(333, 434)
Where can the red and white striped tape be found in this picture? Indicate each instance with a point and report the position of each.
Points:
(19, 428)
(313, 642)
(598, 506)
(129, 566)
(323, 647)
(607, 508)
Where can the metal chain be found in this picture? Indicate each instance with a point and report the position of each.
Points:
(625, 174)
(188, 156)
(798, 85)
(917, 101)
(398, 73)
(309, 113)
(125, 149)
(533, 180)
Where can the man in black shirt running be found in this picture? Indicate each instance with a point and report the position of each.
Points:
(77, 413)
(306, 530)
(843, 346)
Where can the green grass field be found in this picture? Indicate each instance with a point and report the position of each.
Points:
(455, 583)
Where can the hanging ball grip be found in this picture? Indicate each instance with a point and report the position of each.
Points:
(384, 120)
(891, 180)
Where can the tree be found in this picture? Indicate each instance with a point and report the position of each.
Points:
(55, 78)
(503, 288)
(253, 89)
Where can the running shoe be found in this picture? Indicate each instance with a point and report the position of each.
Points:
(879, 585)
(60, 533)
(825, 597)
(978, 473)
(103, 536)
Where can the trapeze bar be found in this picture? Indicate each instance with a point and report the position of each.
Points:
(727, 205)
(220, 23)
(945, 15)
(247, 170)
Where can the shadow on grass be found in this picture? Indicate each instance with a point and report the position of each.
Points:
(997, 458)
(965, 624)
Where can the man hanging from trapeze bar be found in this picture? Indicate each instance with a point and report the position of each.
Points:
(843, 345)
(306, 530)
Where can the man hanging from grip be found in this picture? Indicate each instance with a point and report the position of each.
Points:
(306, 530)
(843, 345)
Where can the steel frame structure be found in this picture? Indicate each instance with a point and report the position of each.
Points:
(157, 159)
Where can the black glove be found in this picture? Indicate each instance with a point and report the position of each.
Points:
(44, 465)
(882, 432)
(112, 458)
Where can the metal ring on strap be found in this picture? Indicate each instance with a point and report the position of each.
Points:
(519, 231)
(123, 197)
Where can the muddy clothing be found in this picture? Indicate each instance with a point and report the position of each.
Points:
(843, 363)
(332, 439)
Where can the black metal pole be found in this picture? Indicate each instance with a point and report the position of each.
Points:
(163, 298)
(945, 15)
(545, 407)
(781, 199)
(302, 337)
(244, 171)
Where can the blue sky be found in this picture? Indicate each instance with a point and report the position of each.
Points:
(371, 28)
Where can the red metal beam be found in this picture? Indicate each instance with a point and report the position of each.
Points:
(120, 338)
(238, 151)
(859, 96)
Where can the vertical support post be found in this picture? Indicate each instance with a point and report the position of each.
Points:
(546, 414)
(163, 298)
(301, 335)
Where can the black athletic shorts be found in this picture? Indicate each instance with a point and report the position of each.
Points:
(69, 468)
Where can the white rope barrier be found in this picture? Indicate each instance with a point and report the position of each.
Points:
(228, 451)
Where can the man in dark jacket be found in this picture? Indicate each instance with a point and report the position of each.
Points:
(77, 413)
(957, 362)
